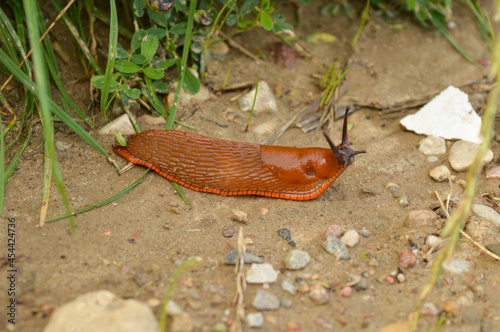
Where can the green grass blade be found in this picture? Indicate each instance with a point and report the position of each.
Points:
(185, 53)
(364, 18)
(460, 50)
(157, 104)
(15, 161)
(42, 78)
(171, 286)
(113, 41)
(107, 201)
(56, 110)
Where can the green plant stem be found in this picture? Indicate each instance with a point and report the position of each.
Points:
(185, 53)
(170, 289)
(253, 104)
(364, 18)
(113, 41)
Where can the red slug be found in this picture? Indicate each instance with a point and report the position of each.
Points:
(232, 168)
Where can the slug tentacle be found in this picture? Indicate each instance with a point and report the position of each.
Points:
(232, 168)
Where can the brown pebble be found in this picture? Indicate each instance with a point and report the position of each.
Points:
(293, 326)
(193, 304)
(228, 232)
(421, 218)
(450, 307)
(264, 211)
(303, 287)
(493, 173)
(407, 259)
(346, 291)
(240, 216)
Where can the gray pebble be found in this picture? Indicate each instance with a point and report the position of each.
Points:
(440, 173)
(265, 300)
(334, 246)
(365, 232)
(429, 309)
(494, 248)
(286, 303)
(458, 266)
(63, 146)
(261, 274)
(247, 257)
(296, 259)
(287, 286)
(432, 159)
(255, 319)
(462, 154)
(432, 145)
(487, 213)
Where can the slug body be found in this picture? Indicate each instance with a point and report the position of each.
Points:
(232, 168)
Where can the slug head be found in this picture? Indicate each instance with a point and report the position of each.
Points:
(343, 153)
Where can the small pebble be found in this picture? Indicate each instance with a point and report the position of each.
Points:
(401, 277)
(285, 234)
(458, 266)
(265, 100)
(261, 274)
(462, 183)
(440, 173)
(334, 246)
(362, 284)
(346, 291)
(432, 145)
(420, 218)
(62, 146)
(255, 319)
(429, 309)
(247, 257)
(152, 120)
(182, 323)
(493, 173)
(350, 238)
(264, 211)
(407, 259)
(462, 154)
(354, 279)
(219, 48)
(265, 300)
(319, 294)
(296, 259)
(450, 307)
(390, 280)
(403, 202)
(303, 287)
(333, 230)
(248, 241)
(487, 213)
(365, 232)
(433, 240)
(494, 248)
(121, 124)
(432, 159)
(395, 190)
(293, 326)
(228, 232)
(240, 216)
(286, 303)
(193, 304)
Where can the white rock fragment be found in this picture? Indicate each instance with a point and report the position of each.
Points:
(265, 99)
(121, 124)
(102, 311)
(261, 274)
(432, 145)
(255, 319)
(449, 115)
(462, 155)
(440, 173)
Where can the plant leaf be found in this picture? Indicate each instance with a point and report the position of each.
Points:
(154, 73)
(266, 21)
(149, 46)
(126, 66)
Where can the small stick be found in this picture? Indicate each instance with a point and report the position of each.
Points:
(234, 44)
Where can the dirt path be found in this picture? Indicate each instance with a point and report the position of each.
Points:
(132, 247)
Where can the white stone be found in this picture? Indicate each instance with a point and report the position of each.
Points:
(432, 145)
(121, 124)
(102, 311)
(255, 319)
(265, 99)
(261, 274)
(462, 154)
(448, 115)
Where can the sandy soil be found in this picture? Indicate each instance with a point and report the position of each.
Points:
(151, 229)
